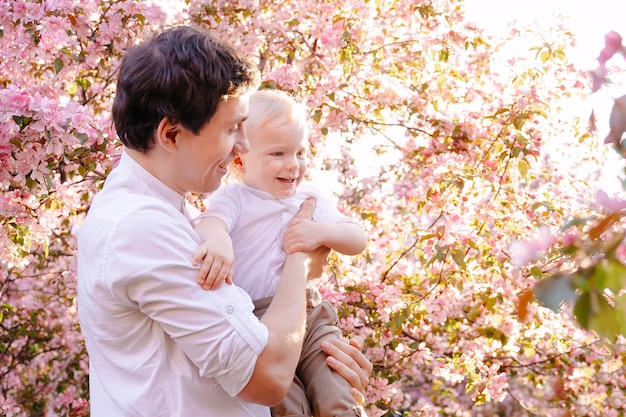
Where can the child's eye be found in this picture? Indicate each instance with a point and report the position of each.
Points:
(301, 154)
(278, 154)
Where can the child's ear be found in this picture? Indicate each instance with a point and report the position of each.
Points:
(238, 164)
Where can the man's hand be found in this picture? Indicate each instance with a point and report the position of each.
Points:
(293, 240)
(290, 237)
(346, 358)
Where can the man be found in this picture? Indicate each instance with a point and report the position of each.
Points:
(158, 344)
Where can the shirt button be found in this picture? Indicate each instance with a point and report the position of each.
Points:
(230, 309)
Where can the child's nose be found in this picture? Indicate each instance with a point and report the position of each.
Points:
(292, 163)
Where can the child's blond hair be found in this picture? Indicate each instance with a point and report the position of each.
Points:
(274, 108)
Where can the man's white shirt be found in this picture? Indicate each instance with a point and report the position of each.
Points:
(158, 344)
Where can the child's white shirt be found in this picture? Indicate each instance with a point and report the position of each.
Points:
(256, 222)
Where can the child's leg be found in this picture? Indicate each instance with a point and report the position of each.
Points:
(260, 306)
(328, 393)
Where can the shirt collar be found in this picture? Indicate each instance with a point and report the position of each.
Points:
(154, 186)
(263, 195)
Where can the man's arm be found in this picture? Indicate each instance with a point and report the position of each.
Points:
(285, 318)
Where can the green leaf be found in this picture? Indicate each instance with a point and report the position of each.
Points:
(523, 166)
(519, 121)
(458, 255)
(82, 82)
(58, 65)
(582, 310)
(594, 312)
(82, 138)
(610, 274)
(607, 320)
(441, 252)
(22, 121)
(48, 180)
(72, 89)
(554, 291)
(536, 272)
(575, 222)
(500, 111)
(30, 183)
(620, 311)
(427, 236)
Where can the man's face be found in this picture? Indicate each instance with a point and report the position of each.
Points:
(203, 159)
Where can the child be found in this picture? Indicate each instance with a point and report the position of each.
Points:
(246, 221)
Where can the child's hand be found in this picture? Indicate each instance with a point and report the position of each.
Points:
(217, 264)
(301, 235)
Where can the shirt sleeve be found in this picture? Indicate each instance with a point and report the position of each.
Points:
(326, 209)
(215, 329)
(223, 204)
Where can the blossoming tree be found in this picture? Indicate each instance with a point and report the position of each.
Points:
(457, 198)
(59, 60)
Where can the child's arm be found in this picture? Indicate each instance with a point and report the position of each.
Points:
(216, 253)
(305, 235)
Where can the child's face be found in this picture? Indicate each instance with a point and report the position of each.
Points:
(277, 160)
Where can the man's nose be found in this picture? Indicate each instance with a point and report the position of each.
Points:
(242, 144)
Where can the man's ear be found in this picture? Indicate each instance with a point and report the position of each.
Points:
(167, 134)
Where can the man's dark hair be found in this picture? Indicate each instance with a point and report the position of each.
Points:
(182, 74)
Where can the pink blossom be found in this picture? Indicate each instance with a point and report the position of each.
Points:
(522, 252)
(613, 44)
(332, 36)
(287, 76)
(569, 239)
(611, 204)
(9, 408)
